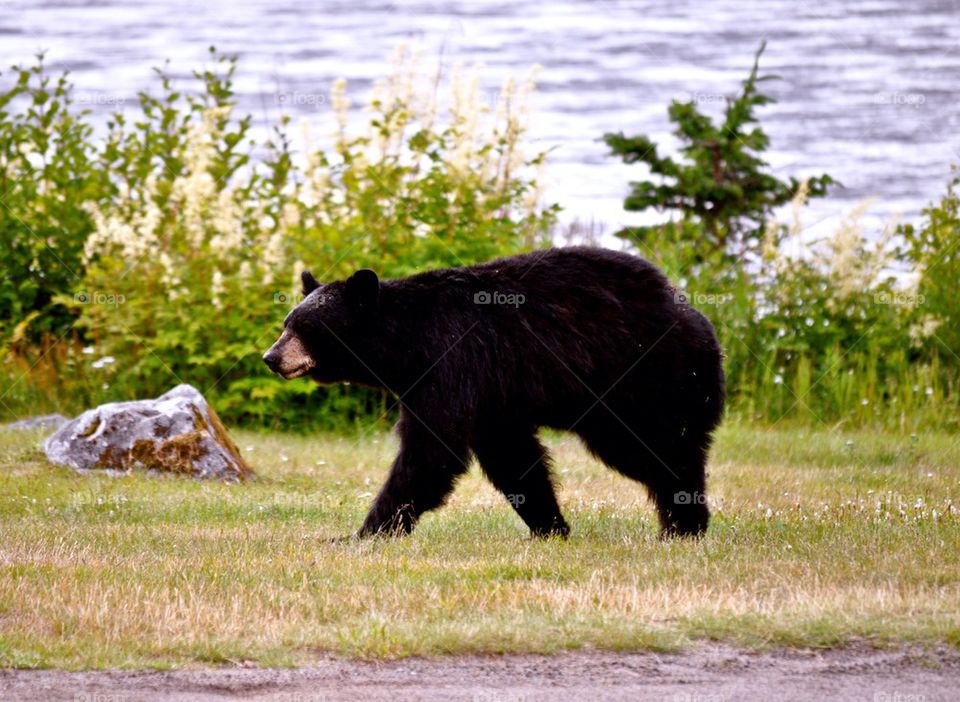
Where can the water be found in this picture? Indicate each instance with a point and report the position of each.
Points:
(869, 89)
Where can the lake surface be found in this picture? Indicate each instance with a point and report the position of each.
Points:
(869, 89)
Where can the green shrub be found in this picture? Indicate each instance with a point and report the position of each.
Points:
(164, 253)
(932, 250)
(812, 331)
(193, 257)
(47, 174)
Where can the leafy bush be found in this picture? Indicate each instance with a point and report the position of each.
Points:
(829, 331)
(48, 172)
(163, 252)
(813, 331)
(192, 260)
(830, 339)
(932, 250)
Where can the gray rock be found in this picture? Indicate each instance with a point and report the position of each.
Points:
(44, 421)
(176, 433)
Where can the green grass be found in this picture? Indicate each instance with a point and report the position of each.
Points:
(818, 539)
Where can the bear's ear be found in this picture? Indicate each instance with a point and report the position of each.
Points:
(363, 289)
(309, 282)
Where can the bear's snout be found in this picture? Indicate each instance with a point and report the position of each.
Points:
(288, 357)
(272, 359)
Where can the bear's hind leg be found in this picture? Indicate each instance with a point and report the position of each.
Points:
(519, 466)
(679, 493)
(674, 476)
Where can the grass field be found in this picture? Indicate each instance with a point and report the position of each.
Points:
(818, 538)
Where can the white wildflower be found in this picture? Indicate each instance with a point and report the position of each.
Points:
(340, 102)
(273, 256)
(217, 289)
(101, 362)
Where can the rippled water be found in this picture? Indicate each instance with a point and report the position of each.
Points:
(869, 89)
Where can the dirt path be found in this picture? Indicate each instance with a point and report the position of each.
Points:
(706, 674)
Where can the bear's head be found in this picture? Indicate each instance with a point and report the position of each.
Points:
(328, 334)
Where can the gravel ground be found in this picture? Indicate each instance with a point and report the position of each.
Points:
(704, 674)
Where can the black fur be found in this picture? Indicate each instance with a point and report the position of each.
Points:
(593, 341)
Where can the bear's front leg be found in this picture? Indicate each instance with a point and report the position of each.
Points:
(422, 475)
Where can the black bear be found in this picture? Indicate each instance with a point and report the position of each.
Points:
(585, 340)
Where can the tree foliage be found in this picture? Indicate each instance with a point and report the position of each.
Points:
(721, 188)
